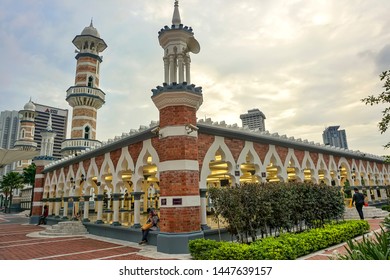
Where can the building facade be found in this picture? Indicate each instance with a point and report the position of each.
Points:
(332, 136)
(170, 164)
(9, 131)
(254, 120)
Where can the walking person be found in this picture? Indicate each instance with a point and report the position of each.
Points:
(151, 224)
(358, 199)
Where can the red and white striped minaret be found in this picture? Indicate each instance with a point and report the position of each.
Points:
(85, 96)
(178, 102)
(26, 141)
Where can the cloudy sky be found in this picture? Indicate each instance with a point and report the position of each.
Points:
(304, 64)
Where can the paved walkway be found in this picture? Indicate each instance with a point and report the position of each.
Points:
(21, 241)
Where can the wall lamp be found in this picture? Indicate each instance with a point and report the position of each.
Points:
(191, 128)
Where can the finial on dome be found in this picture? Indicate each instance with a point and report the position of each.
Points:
(91, 24)
(176, 15)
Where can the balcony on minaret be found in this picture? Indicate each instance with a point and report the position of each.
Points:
(83, 95)
(71, 146)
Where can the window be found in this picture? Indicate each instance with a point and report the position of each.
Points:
(90, 81)
(86, 132)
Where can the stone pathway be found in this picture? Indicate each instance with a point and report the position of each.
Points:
(22, 241)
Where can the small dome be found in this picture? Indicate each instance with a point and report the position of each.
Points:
(90, 30)
(29, 106)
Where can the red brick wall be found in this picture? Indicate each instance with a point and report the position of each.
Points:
(282, 152)
(177, 115)
(115, 155)
(204, 143)
(235, 146)
(37, 196)
(178, 147)
(314, 157)
(180, 182)
(261, 150)
(180, 219)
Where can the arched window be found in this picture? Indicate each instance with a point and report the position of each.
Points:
(85, 45)
(22, 134)
(86, 132)
(90, 81)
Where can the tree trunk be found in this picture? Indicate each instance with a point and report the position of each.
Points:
(10, 201)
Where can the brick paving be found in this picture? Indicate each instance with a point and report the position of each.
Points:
(20, 241)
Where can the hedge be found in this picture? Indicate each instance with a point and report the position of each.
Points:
(287, 246)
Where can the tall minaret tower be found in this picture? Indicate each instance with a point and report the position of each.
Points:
(25, 141)
(178, 101)
(177, 42)
(47, 144)
(85, 96)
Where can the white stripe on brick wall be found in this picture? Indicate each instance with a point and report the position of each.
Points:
(172, 165)
(177, 131)
(37, 203)
(187, 201)
(84, 118)
(39, 176)
(38, 189)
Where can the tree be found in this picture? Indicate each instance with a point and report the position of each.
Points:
(29, 174)
(383, 98)
(9, 183)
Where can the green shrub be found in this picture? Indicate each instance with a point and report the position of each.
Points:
(275, 207)
(386, 208)
(375, 248)
(287, 246)
(200, 248)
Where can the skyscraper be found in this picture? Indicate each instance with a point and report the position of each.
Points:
(332, 136)
(254, 119)
(9, 130)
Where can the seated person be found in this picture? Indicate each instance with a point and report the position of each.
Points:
(151, 224)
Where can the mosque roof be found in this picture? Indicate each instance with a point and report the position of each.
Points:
(90, 31)
(29, 106)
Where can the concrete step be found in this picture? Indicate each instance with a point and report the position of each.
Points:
(368, 212)
(65, 228)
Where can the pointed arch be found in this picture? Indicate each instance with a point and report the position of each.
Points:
(147, 150)
(218, 144)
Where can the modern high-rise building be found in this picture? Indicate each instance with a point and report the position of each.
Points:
(254, 119)
(9, 130)
(59, 123)
(332, 136)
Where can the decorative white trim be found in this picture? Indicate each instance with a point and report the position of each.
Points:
(85, 107)
(39, 176)
(82, 129)
(177, 131)
(178, 98)
(38, 190)
(186, 201)
(173, 165)
(37, 203)
(84, 118)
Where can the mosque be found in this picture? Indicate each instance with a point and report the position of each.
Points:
(169, 165)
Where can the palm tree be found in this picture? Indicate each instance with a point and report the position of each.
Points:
(29, 174)
(29, 178)
(8, 184)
